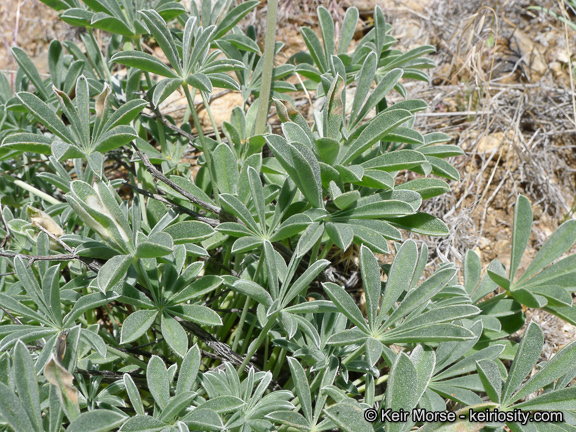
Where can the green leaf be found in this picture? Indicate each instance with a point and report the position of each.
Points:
(371, 238)
(158, 380)
(491, 380)
(301, 388)
(254, 291)
(158, 28)
(377, 129)
(442, 151)
(234, 229)
(188, 370)
(234, 206)
(347, 199)
(375, 210)
(196, 289)
(309, 238)
(143, 61)
(438, 315)
(164, 89)
(384, 87)
(114, 138)
(157, 245)
(26, 385)
(429, 333)
(308, 173)
(422, 223)
(346, 305)
(302, 283)
(125, 114)
(196, 313)
(13, 412)
(424, 360)
(110, 24)
(559, 243)
(224, 403)
(45, 115)
(521, 232)
(315, 48)
(554, 369)
(441, 168)
(27, 142)
(174, 334)
(30, 70)
(564, 399)
(201, 82)
(370, 271)
(204, 419)
(136, 325)
(341, 234)
(317, 306)
(365, 79)
(401, 389)
(422, 293)
(327, 30)
(257, 197)
(143, 423)
(242, 42)
(87, 302)
(189, 232)
(396, 161)
(289, 418)
(526, 357)
(113, 271)
(233, 17)
(176, 405)
(468, 364)
(246, 244)
(133, 394)
(501, 280)
(348, 417)
(348, 29)
(426, 187)
(373, 350)
(399, 276)
(100, 420)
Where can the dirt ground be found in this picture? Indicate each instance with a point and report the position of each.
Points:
(501, 89)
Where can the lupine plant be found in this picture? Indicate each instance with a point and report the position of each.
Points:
(167, 276)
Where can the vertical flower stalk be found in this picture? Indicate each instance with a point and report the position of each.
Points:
(268, 68)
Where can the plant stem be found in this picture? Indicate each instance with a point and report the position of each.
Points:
(37, 192)
(209, 111)
(278, 362)
(201, 136)
(238, 331)
(268, 68)
(255, 345)
(127, 357)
